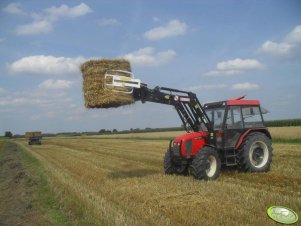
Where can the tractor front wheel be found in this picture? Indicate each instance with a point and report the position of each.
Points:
(206, 164)
(255, 154)
(171, 168)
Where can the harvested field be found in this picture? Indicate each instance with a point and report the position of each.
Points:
(286, 133)
(278, 134)
(121, 182)
(152, 135)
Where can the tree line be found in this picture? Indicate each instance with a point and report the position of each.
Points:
(271, 123)
(283, 123)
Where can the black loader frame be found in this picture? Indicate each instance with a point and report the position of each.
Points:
(187, 105)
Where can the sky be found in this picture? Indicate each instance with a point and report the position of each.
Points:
(217, 49)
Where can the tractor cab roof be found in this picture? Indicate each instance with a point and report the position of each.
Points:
(237, 101)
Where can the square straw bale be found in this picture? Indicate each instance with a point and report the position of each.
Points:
(95, 94)
(33, 134)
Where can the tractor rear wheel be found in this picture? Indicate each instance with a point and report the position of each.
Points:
(171, 168)
(206, 164)
(255, 154)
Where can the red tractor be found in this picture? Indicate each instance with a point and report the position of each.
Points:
(224, 133)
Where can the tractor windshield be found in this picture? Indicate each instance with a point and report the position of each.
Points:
(216, 116)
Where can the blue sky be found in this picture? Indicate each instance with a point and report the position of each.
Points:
(217, 49)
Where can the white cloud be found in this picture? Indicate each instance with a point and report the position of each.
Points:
(239, 65)
(172, 29)
(55, 13)
(107, 21)
(47, 65)
(148, 57)
(43, 21)
(17, 101)
(244, 86)
(235, 67)
(56, 84)
(222, 73)
(207, 87)
(14, 8)
(34, 28)
(289, 46)
(44, 115)
(36, 97)
(294, 36)
(274, 48)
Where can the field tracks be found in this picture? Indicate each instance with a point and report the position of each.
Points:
(121, 182)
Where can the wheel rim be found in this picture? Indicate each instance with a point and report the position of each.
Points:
(211, 166)
(259, 154)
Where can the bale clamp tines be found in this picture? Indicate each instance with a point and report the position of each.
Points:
(121, 81)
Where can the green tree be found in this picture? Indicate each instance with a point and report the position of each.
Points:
(8, 134)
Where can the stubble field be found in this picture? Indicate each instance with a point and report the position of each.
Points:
(105, 181)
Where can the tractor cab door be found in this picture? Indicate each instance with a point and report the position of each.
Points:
(216, 116)
(233, 126)
(238, 120)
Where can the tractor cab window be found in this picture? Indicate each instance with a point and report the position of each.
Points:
(234, 120)
(216, 116)
(252, 117)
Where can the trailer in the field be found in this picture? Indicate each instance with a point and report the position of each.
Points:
(34, 137)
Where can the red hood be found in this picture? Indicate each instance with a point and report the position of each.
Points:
(189, 136)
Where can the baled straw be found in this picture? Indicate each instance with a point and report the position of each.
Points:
(95, 94)
(33, 134)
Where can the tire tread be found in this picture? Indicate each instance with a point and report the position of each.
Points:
(198, 166)
(243, 153)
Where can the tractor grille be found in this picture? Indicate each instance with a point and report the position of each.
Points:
(175, 151)
(176, 155)
(188, 147)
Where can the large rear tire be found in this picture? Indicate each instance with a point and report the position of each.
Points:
(255, 153)
(206, 164)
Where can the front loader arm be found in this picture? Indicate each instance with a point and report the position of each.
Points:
(186, 104)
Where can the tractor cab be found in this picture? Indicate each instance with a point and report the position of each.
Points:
(233, 118)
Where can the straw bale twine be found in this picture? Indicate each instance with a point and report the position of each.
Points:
(95, 94)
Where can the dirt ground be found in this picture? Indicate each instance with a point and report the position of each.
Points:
(18, 204)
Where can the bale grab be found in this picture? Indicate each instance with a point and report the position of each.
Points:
(96, 94)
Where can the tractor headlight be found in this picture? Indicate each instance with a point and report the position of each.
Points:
(175, 148)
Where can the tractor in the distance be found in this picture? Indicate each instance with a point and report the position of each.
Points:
(224, 133)
(34, 137)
